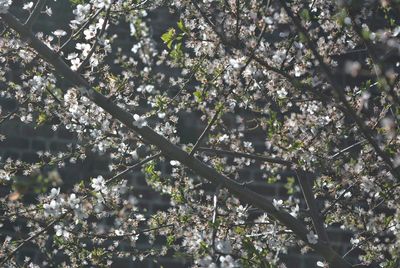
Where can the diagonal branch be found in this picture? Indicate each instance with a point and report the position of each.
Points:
(80, 30)
(304, 182)
(35, 13)
(171, 150)
(206, 130)
(94, 46)
(341, 96)
(33, 236)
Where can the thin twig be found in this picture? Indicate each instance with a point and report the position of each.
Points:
(35, 13)
(206, 130)
(367, 239)
(118, 237)
(346, 149)
(215, 215)
(336, 200)
(341, 96)
(94, 46)
(80, 30)
(274, 160)
(139, 164)
(12, 253)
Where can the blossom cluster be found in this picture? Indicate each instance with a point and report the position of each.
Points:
(298, 104)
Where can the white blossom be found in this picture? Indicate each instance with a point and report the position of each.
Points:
(98, 184)
(139, 121)
(223, 246)
(312, 238)
(4, 5)
(59, 33)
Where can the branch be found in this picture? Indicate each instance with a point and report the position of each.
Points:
(378, 63)
(206, 130)
(35, 13)
(80, 30)
(337, 200)
(215, 215)
(44, 229)
(94, 46)
(129, 169)
(119, 237)
(308, 194)
(63, 215)
(171, 150)
(341, 96)
(304, 185)
(274, 160)
(345, 149)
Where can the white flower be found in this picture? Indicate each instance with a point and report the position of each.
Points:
(277, 203)
(206, 262)
(72, 56)
(236, 64)
(228, 262)
(119, 232)
(136, 47)
(73, 201)
(90, 33)
(81, 11)
(139, 121)
(52, 208)
(60, 231)
(223, 246)
(223, 138)
(98, 184)
(4, 5)
(54, 192)
(282, 93)
(4, 175)
(75, 63)
(174, 163)
(28, 6)
(312, 238)
(297, 71)
(84, 47)
(352, 68)
(347, 195)
(48, 11)
(58, 33)
(295, 210)
(161, 115)
(147, 88)
(101, 3)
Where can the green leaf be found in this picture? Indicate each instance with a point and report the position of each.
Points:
(170, 240)
(42, 118)
(305, 15)
(198, 95)
(182, 26)
(169, 37)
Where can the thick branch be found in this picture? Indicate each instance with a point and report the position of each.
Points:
(304, 182)
(308, 194)
(171, 150)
